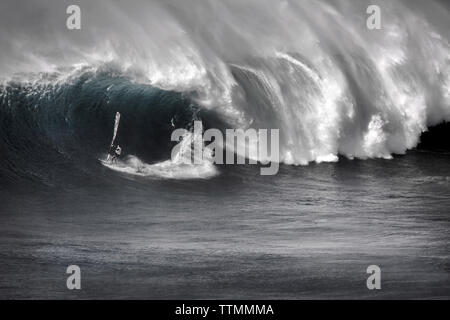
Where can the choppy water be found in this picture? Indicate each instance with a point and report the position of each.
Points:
(309, 232)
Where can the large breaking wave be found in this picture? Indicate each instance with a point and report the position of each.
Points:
(309, 68)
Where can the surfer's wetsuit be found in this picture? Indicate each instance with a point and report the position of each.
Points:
(114, 152)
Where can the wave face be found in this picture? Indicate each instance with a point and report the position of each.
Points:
(309, 68)
(49, 121)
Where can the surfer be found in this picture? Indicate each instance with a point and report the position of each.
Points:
(114, 153)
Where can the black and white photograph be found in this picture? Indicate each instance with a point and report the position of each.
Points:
(224, 150)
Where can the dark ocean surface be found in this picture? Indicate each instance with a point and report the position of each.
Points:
(308, 232)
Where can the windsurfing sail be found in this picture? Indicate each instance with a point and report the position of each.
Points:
(116, 127)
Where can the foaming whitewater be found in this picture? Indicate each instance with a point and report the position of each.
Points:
(180, 167)
(309, 68)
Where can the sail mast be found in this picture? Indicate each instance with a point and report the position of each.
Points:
(116, 127)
